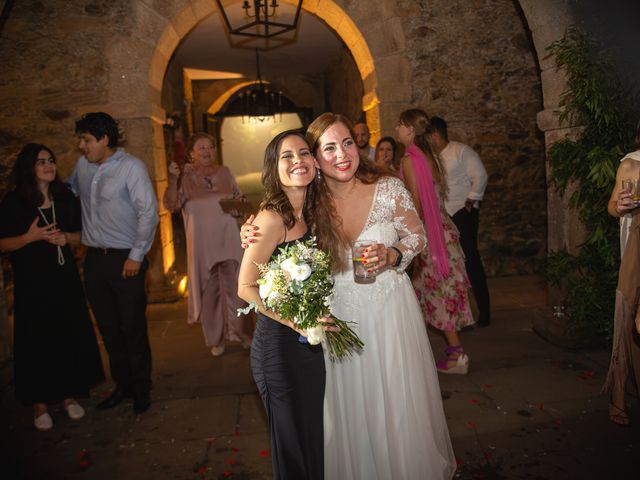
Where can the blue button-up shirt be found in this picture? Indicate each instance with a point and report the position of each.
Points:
(119, 206)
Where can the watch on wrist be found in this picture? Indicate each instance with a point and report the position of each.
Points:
(398, 258)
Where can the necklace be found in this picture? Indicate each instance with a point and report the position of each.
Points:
(46, 222)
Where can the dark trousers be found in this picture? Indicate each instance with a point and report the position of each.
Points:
(119, 306)
(467, 223)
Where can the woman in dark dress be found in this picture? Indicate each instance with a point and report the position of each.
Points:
(290, 375)
(56, 355)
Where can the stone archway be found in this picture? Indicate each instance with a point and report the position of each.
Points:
(184, 21)
(564, 228)
(384, 95)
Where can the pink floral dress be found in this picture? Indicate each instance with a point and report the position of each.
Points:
(444, 302)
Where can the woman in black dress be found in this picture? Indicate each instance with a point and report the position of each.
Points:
(290, 375)
(56, 355)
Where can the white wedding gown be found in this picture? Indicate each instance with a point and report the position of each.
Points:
(383, 414)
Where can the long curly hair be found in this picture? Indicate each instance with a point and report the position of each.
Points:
(419, 120)
(328, 225)
(24, 176)
(275, 199)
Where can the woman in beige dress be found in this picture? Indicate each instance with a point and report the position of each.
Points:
(625, 352)
(213, 253)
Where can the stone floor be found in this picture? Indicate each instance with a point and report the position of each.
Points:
(527, 410)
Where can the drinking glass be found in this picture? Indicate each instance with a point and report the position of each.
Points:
(635, 190)
(632, 186)
(360, 269)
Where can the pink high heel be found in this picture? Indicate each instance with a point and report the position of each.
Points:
(461, 367)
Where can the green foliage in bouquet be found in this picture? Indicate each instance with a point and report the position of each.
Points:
(597, 102)
(297, 284)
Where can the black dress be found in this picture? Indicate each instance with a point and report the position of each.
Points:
(290, 377)
(56, 354)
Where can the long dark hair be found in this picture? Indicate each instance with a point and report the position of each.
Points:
(327, 223)
(24, 176)
(275, 199)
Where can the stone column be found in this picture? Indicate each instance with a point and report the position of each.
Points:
(144, 138)
(548, 21)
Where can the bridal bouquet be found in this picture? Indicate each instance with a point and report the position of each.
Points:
(297, 284)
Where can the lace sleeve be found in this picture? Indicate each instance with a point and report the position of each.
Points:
(407, 224)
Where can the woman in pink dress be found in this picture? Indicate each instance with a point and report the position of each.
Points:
(213, 253)
(439, 275)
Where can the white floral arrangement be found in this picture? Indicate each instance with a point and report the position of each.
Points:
(297, 285)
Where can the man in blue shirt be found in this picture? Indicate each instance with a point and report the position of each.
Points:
(119, 219)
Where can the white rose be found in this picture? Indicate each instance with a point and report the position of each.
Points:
(315, 335)
(301, 272)
(273, 296)
(265, 286)
(288, 266)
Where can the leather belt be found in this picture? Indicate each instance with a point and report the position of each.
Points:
(108, 251)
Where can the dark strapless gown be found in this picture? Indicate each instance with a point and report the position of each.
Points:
(291, 378)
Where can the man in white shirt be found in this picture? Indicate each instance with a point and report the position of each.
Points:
(466, 180)
(362, 141)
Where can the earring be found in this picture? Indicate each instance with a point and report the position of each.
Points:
(318, 174)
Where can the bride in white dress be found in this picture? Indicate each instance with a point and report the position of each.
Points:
(383, 409)
(383, 414)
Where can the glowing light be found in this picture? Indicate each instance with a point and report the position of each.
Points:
(182, 286)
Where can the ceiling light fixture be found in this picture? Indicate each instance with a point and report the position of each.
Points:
(259, 102)
(261, 20)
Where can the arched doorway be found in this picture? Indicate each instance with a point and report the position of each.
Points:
(186, 20)
(378, 43)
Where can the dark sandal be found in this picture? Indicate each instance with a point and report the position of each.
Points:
(620, 418)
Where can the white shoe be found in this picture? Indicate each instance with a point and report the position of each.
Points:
(74, 410)
(44, 422)
(217, 351)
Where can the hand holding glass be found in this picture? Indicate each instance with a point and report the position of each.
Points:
(363, 272)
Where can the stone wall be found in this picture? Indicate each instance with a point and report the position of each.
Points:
(476, 68)
(343, 87)
(470, 61)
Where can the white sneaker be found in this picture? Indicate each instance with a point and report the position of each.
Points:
(217, 351)
(74, 410)
(44, 422)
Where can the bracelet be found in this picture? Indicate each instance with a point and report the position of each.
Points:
(398, 258)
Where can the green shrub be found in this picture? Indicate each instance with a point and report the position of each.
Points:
(598, 103)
